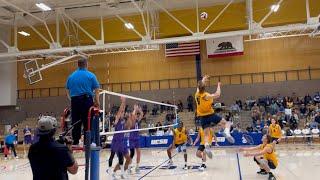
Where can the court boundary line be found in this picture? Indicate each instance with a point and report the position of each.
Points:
(155, 168)
(239, 169)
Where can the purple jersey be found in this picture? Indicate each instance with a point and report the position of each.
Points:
(135, 134)
(134, 139)
(118, 142)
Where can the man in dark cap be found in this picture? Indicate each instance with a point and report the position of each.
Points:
(83, 91)
(49, 159)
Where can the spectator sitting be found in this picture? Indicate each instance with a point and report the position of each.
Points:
(316, 98)
(255, 114)
(289, 102)
(307, 99)
(155, 109)
(239, 103)
(274, 108)
(180, 106)
(294, 120)
(279, 100)
(144, 109)
(168, 107)
(235, 108)
(159, 125)
(249, 129)
(259, 125)
(190, 103)
(303, 110)
(317, 117)
(162, 107)
(151, 131)
(314, 125)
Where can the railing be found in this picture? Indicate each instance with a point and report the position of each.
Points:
(233, 79)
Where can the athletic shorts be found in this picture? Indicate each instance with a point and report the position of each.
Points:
(27, 140)
(134, 143)
(181, 147)
(270, 163)
(201, 148)
(274, 139)
(210, 120)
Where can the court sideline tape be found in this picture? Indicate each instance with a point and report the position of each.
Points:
(156, 167)
(239, 169)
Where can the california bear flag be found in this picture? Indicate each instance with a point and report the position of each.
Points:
(226, 46)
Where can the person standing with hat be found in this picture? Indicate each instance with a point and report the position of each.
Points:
(49, 159)
(83, 91)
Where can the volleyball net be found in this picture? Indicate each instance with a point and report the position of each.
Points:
(136, 100)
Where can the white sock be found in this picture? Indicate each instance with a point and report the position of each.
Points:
(122, 169)
(137, 165)
(110, 170)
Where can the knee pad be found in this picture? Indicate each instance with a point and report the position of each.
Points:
(255, 160)
(131, 153)
(121, 158)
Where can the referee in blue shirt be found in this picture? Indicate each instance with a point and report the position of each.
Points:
(83, 91)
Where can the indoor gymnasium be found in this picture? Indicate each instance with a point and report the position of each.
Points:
(159, 89)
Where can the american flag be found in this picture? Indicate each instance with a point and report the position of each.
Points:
(182, 49)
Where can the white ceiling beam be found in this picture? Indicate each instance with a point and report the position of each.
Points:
(165, 40)
(4, 44)
(134, 29)
(307, 10)
(36, 31)
(142, 17)
(101, 29)
(249, 12)
(172, 16)
(30, 14)
(81, 28)
(218, 16)
(269, 14)
(197, 15)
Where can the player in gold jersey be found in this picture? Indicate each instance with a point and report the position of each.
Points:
(264, 155)
(200, 152)
(206, 114)
(180, 139)
(275, 131)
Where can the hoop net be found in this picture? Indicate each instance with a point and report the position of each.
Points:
(104, 92)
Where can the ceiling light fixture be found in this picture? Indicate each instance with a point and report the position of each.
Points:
(23, 33)
(129, 26)
(275, 7)
(43, 7)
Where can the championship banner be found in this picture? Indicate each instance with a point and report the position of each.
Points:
(226, 46)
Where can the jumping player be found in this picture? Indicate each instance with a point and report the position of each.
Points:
(275, 131)
(264, 155)
(206, 114)
(200, 152)
(134, 137)
(118, 145)
(180, 139)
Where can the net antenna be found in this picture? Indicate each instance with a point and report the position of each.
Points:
(104, 92)
(33, 72)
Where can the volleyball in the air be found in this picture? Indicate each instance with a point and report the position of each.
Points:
(204, 15)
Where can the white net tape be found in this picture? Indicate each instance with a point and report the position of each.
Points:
(104, 92)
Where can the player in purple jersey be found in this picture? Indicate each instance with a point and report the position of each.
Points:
(118, 145)
(134, 138)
